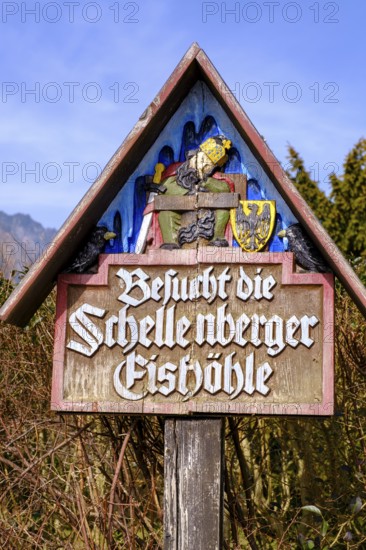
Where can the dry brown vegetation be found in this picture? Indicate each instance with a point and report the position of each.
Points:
(96, 482)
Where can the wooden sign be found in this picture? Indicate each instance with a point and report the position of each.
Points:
(214, 293)
(202, 330)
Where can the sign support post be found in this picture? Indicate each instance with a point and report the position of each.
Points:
(193, 483)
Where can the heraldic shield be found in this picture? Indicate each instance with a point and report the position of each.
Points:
(253, 223)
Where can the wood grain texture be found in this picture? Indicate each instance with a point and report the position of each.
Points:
(200, 200)
(302, 382)
(217, 200)
(240, 183)
(175, 203)
(193, 492)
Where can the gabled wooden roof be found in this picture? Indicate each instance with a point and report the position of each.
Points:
(195, 65)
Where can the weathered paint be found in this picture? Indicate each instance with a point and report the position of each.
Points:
(310, 391)
(193, 484)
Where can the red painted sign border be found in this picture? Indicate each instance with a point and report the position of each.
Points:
(204, 255)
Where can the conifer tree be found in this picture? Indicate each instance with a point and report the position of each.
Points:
(309, 189)
(348, 215)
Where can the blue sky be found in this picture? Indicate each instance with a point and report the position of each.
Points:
(297, 68)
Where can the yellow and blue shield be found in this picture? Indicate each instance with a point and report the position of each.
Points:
(253, 223)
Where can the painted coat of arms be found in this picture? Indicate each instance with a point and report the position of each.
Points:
(253, 223)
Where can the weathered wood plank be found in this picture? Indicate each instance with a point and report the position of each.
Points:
(240, 182)
(217, 200)
(175, 202)
(201, 200)
(193, 495)
(84, 382)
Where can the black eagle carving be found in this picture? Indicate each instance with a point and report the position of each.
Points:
(305, 252)
(90, 250)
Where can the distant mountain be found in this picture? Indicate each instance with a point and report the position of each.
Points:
(22, 241)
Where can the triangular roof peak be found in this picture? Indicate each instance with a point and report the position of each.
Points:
(194, 66)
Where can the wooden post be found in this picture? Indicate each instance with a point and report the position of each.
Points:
(193, 487)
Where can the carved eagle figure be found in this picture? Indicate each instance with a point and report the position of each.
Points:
(305, 252)
(89, 251)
